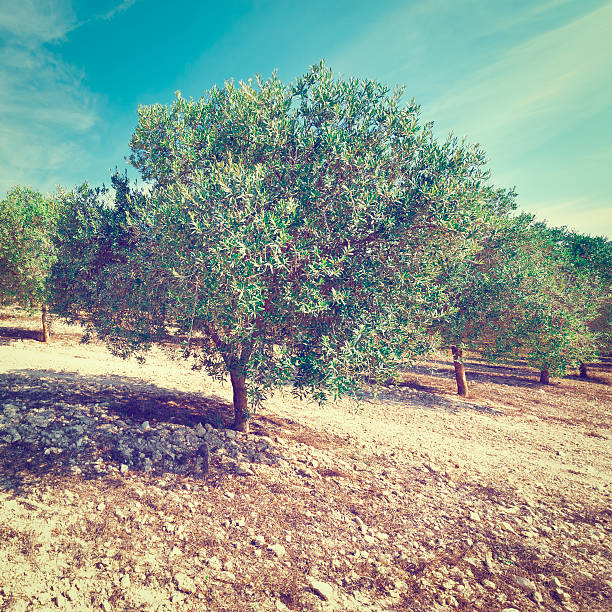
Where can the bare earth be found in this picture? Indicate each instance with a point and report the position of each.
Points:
(414, 500)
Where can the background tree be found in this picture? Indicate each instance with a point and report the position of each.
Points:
(472, 294)
(294, 235)
(522, 296)
(97, 279)
(592, 256)
(27, 224)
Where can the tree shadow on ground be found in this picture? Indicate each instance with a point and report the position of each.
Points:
(592, 379)
(502, 375)
(17, 333)
(22, 464)
(476, 372)
(425, 397)
(124, 396)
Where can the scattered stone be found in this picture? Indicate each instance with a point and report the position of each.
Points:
(523, 583)
(167, 447)
(243, 469)
(489, 584)
(278, 549)
(560, 595)
(258, 540)
(185, 583)
(322, 589)
(215, 563)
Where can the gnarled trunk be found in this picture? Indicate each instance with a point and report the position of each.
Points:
(583, 370)
(545, 377)
(44, 336)
(241, 412)
(462, 388)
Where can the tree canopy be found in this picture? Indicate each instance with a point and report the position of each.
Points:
(294, 234)
(27, 225)
(525, 295)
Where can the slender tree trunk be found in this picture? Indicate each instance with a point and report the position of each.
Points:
(545, 377)
(44, 336)
(241, 412)
(583, 370)
(462, 388)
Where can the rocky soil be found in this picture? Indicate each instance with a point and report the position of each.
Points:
(413, 500)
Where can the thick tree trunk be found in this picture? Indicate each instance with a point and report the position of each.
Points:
(462, 388)
(545, 377)
(583, 370)
(44, 336)
(241, 412)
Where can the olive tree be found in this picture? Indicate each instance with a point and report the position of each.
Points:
(295, 234)
(27, 224)
(522, 296)
(97, 277)
(591, 256)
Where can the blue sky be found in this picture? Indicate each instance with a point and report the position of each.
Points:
(530, 81)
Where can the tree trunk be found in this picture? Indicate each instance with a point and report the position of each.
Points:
(462, 388)
(545, 377)
(44, 336)
(583, 370)
(241, 412)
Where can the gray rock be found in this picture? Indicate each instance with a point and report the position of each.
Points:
(185, 583)
(560, 595)
(215, 563)
(322, 589)
(489, 584)
(258, 540)
(278, 549)
(523, 583)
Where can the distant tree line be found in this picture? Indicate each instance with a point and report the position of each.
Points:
(316, 235)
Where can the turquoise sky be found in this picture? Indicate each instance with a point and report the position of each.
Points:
(530, 81)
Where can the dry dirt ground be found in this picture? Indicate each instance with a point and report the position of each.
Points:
(413, 500)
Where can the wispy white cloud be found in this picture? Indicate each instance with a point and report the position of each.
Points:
(543, 84)
(37, 21)
(34, 21)
(119, 8)
(46, 110)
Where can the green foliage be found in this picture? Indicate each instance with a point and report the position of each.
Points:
(525, 295)
(97, 278)
(592, 256)
(27, 223)
(295, 233)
